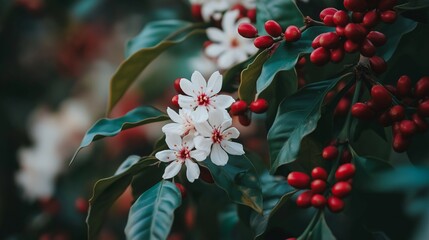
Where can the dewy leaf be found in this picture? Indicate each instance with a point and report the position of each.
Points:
(111, 127)
(152, 215)
(321, 231)
(239, 180)
(285, 57)
(131, 68)
(296, 118)
(285, 12)
(247, 88)
(107, 190)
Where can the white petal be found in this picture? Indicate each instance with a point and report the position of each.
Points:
(173, 128)
(204, 129)
(174, 116)
(203, 144)
(166, 156)
(216, 118)
(232, 148)
(226, 59)
(248, 46)
(199, 82)
(174, 141)
(192, 170)
(200, 114)
(214, 50)
(188, 141)
(188, 87)
(240, 55)
(187, 102)
(172, 169)
(228, 22)
(231, 133)
(214, 84)
(216, 35)
(221, 101)
(218, 155)
(199, 155)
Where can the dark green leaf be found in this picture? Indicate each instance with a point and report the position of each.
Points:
(418, 10)
(231, 76)
(285, 12)
(321, 231)
(417, 151)
(297, 117)
(401, 179)
(151, 216)
(247, 88)
(239, 180)
(107, 127)
(367, 169)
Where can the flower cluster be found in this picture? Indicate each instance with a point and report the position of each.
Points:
(202, 127)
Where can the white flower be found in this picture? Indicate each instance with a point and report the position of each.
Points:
(180, 153)
(214, 8)
(215, 138)
(202, 96)
(183, 124)
(228, 46)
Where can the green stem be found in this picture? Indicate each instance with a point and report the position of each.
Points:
(344, 134)
(311, 225)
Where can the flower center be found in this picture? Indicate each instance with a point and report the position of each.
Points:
(203, 99)
(216, 136)
(184, 154)
(234, 43)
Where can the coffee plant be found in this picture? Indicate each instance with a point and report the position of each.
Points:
(337, 95)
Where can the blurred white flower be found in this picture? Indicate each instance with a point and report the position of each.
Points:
(228, 46)
(215, 137)
(203, 96)
(182, 123)
(181, 152)
(213, 9)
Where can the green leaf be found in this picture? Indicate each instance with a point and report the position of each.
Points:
(321, 231)
(247, 88)
(367, 169)
(239, 180)
(107, 190)
(107, 127)
(154, 32)
(418, 10)
(296, 118)
(417, 151)
(405, 178)
(152, 215)
(131, 68)
(285, 57)
(285, 12)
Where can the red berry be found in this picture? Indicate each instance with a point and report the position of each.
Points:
(350, 46)
(341, 18)
(329, 21)
(238, 107)
(319, 173)
(421, 124)
(342, 107)
(242, 9)
(335, 204)
(259, 106)
(337, 55)
(329, 40)
(304, 199)
(367, 49)
(320, 56)
(273, 28)
(244, 120)
(292, 34)
(362, 111)
(292, 238)
(341, 189)
(298, 180)
(346, 156)
(423, 108)
(355, 5)
(384, 119)
(263, 42)
(381, 97)
(403, 86)
(247, 30)
(177, 86)
(81, 205)
(345, 172)
(397, 113)
(251, 14)
(318, 201)
(175, 101)
(421, 89)
(196, 12)
(357, 17)
(330, 153)
(182, 189)
(391, 89)
(388, 16)
(378, 65)
(340, 31)
(206, 175)
(377, 38)
(355, 32)
(318, 186)
(407, 127)
(301, 62)
(370, 19)
(384, 5)
(326, 12)
(400, 143)
(316, 42)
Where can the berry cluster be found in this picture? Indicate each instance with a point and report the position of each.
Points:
(275, 34)
(175, 99)
(406, 116)
(239, 108)
(353, 32)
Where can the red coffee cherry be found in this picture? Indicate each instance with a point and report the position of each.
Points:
(196, 12)
(251, 14)
(397, 113)
(340, 18)
(421, 124)
(320, 56)
(327, 11)
(355, 32)
(342, 107)
(341, 189)
(298, 180)
(345, 172)
(340, 31)
(335, 204)
(377, 38)
(182, 190)
(370, 19)
(318, 201)
(259, 106)
(318, 186)
(301, 62)
(357, 17)
(263, 42)
(319, 173)
(205, 175)
(177, 86)
(423, 108)
(421, 89)
(388, 16)
(244, 120)
(304, 199)
(81, 205)
(247, 30)
(384, 119)
(242, 9)
(175, 101)
(362, 111)
(238, 107)
(316, 44)
(330, 153)
(292, 238)
(403, 86)
(329, 40)
(367, 49)
(378, 65)
(337, 55)
(408, 127)
(350, 46)
(346, 156)
(400, 143)
(384, 5)
(273, 28)
(292, 34)
(329, 21)
(355, 5)
(381, 97)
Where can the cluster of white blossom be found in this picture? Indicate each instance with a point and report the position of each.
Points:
(202, 128)
(213, 9)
